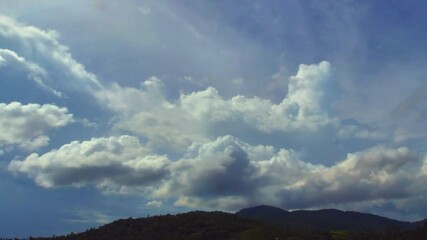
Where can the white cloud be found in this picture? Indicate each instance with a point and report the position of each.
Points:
(194, 117)
(304, 108)
(229, 174)
(128, 101)
(147, 113)
(353, 131)
(167, 131)
(145, 10)
(89, 216)
(35, 143)
(11, 62)
(197, 82)
(113, 164)
(171, 124)
(378, 173)
(156, 204)
(308, 89)
(43, 58)
(36, 68)
(26, 125)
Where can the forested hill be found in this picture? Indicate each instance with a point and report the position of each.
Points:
(325, 219)
(258, 223)
(191, 226)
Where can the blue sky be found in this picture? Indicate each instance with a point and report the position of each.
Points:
(115, 109)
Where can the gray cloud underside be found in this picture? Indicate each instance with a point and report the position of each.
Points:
(228, 174)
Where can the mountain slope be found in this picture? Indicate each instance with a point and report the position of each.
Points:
(326, 219)
(192, 226)
(257, 223)
(265, 213)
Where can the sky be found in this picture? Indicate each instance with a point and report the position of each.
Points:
(116, 109)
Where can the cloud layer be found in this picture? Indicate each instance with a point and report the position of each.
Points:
(228, 174)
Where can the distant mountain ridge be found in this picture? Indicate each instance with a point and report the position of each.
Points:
(256, 223)
(325, 219)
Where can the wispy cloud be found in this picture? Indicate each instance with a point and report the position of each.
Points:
(81, 215)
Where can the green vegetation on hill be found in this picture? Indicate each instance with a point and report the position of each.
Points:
(200, 225)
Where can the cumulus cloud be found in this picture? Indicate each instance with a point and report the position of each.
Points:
(167, 131)
(26, 125)
(302, 120)
(227, 173)
(230, 174)
(146, 112)
(305, 106)
(378, 173)
(196, 116)
(112, 164)
(129, 101)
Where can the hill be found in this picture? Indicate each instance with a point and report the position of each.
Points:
(325, 219)
(257, 223)
(191, 226)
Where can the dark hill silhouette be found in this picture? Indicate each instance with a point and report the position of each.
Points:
(265, 213)
(191, 226)
(325, 219)
(257, 223)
